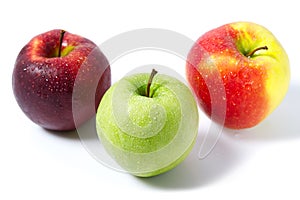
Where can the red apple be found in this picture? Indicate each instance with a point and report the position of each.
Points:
(240, 72)
(45, 74)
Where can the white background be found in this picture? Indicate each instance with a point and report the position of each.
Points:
(262, 162)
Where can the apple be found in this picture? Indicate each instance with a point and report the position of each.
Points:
(44, 78)
(148, 125)
(248, 63)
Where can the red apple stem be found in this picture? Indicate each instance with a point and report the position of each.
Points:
(150, 82)
(62, 33)
(251, 53)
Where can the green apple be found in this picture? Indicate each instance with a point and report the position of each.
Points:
(148, 125)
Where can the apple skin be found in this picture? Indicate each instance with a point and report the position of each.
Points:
(43, 83)
(148, 136)
(253, 86)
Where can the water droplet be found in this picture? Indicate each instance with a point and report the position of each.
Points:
(44, 96)
(233, 75)
(38, 93)
(246, 76)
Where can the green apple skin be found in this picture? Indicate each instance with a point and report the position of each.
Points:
(148, 136)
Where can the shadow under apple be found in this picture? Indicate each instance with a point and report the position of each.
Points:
(86, 131)
(69, 135)
(282, 124)
(194, 172)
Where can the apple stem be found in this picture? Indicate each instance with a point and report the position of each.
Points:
(62, 33)
(150, 82)
(251, 53)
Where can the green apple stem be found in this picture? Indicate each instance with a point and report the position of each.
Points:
(62, 32)
(251, 53)
(150, 82)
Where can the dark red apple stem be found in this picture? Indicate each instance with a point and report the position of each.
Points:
(150, 82)
(62, 32)
(251, 53)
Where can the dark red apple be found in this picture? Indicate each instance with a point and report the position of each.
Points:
(46, 72)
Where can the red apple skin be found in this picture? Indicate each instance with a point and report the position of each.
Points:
(43, 83)
(230, 87)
